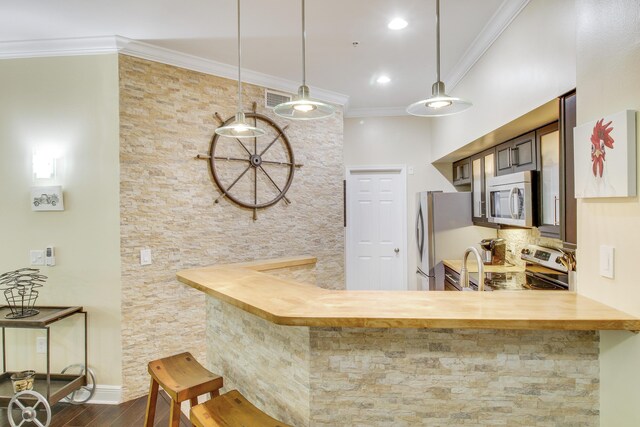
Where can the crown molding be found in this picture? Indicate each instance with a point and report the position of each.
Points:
(506, 13)
(58, 47)
(126, 46)
(376, 112)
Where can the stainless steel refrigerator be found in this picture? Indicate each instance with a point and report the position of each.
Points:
(444, 229)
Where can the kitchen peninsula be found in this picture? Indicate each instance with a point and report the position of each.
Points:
(312, 356)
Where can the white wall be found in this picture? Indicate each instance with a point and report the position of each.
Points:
(608, 63)
(396, 141)
(531, 63)
(69, 105)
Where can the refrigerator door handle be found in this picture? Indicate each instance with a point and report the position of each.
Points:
(422, 273)
(420, 232)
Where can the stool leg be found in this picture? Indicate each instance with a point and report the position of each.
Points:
(174, 414)
(151, 404)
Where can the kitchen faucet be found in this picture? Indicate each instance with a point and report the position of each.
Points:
(464, 273)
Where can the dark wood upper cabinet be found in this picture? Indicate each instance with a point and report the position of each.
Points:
(547, 150)
(462, 172)
(568, 210)
(517, 155)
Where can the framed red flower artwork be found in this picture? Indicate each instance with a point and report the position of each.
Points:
(605, 156)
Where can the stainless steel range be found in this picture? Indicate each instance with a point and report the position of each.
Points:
(544, 271)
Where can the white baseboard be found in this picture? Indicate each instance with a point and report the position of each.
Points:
(107, 395)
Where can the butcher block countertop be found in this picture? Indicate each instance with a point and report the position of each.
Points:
(472, 267)
(250, 287)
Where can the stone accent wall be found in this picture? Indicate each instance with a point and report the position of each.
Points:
(419, 377)
(268, 363)
(406, 377)
(167, 205)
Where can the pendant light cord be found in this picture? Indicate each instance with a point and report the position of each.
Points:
(437, 40)
(304, 53)
(239, 64)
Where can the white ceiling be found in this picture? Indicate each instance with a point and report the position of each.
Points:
(271, 37)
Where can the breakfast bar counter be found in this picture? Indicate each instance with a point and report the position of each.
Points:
(317, 357)
(285, 302)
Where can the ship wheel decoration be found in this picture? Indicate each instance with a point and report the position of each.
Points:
(253, 173)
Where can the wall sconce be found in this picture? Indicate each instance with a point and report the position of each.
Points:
(44, 163)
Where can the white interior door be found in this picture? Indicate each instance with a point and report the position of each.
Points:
(376, 248)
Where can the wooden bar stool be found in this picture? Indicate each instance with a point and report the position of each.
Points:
(183, 378)
(231, 410)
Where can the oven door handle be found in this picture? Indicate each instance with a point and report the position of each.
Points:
(514, 191)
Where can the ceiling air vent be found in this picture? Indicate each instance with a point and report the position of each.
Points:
(271, 98)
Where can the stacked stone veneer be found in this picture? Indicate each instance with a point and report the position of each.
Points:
(167, 205)
(268, 363)
(406, 377)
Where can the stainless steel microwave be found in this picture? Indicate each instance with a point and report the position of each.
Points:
(509, 199)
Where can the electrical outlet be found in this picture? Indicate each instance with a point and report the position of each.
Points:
(41, 345)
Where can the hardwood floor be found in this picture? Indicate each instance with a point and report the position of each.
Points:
(128, 414)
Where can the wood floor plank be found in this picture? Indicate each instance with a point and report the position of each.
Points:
(85, 417)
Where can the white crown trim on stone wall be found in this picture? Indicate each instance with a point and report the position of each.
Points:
(123, 45)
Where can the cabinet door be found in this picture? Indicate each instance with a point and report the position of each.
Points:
(482, 167)
(548, 139)
(523, 153)
(461, 172)
(503, 159)
(477, 188)
(519, 154)
(466, 171)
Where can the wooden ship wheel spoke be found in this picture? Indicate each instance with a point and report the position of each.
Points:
(254, 175)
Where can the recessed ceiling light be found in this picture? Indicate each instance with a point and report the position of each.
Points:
(383, 80)
(397, 24)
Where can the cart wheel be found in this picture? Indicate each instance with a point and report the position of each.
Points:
(86, 392)
(29, 414)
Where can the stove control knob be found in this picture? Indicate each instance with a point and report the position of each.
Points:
(526, 251)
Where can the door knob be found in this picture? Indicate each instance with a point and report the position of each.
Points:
(396, 250)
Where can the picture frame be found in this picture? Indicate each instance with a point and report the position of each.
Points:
(605, 156)
(47, 198)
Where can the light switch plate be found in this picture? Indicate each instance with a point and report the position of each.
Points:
(607, 261)
(145, 257)
(410, 170)
(36, 257)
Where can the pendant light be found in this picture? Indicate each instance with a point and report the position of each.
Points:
(440, 104)
(239, 128)
(302, 107)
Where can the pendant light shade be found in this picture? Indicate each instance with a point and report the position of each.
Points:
(239, 128)
(439, 104)
(302, 107)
